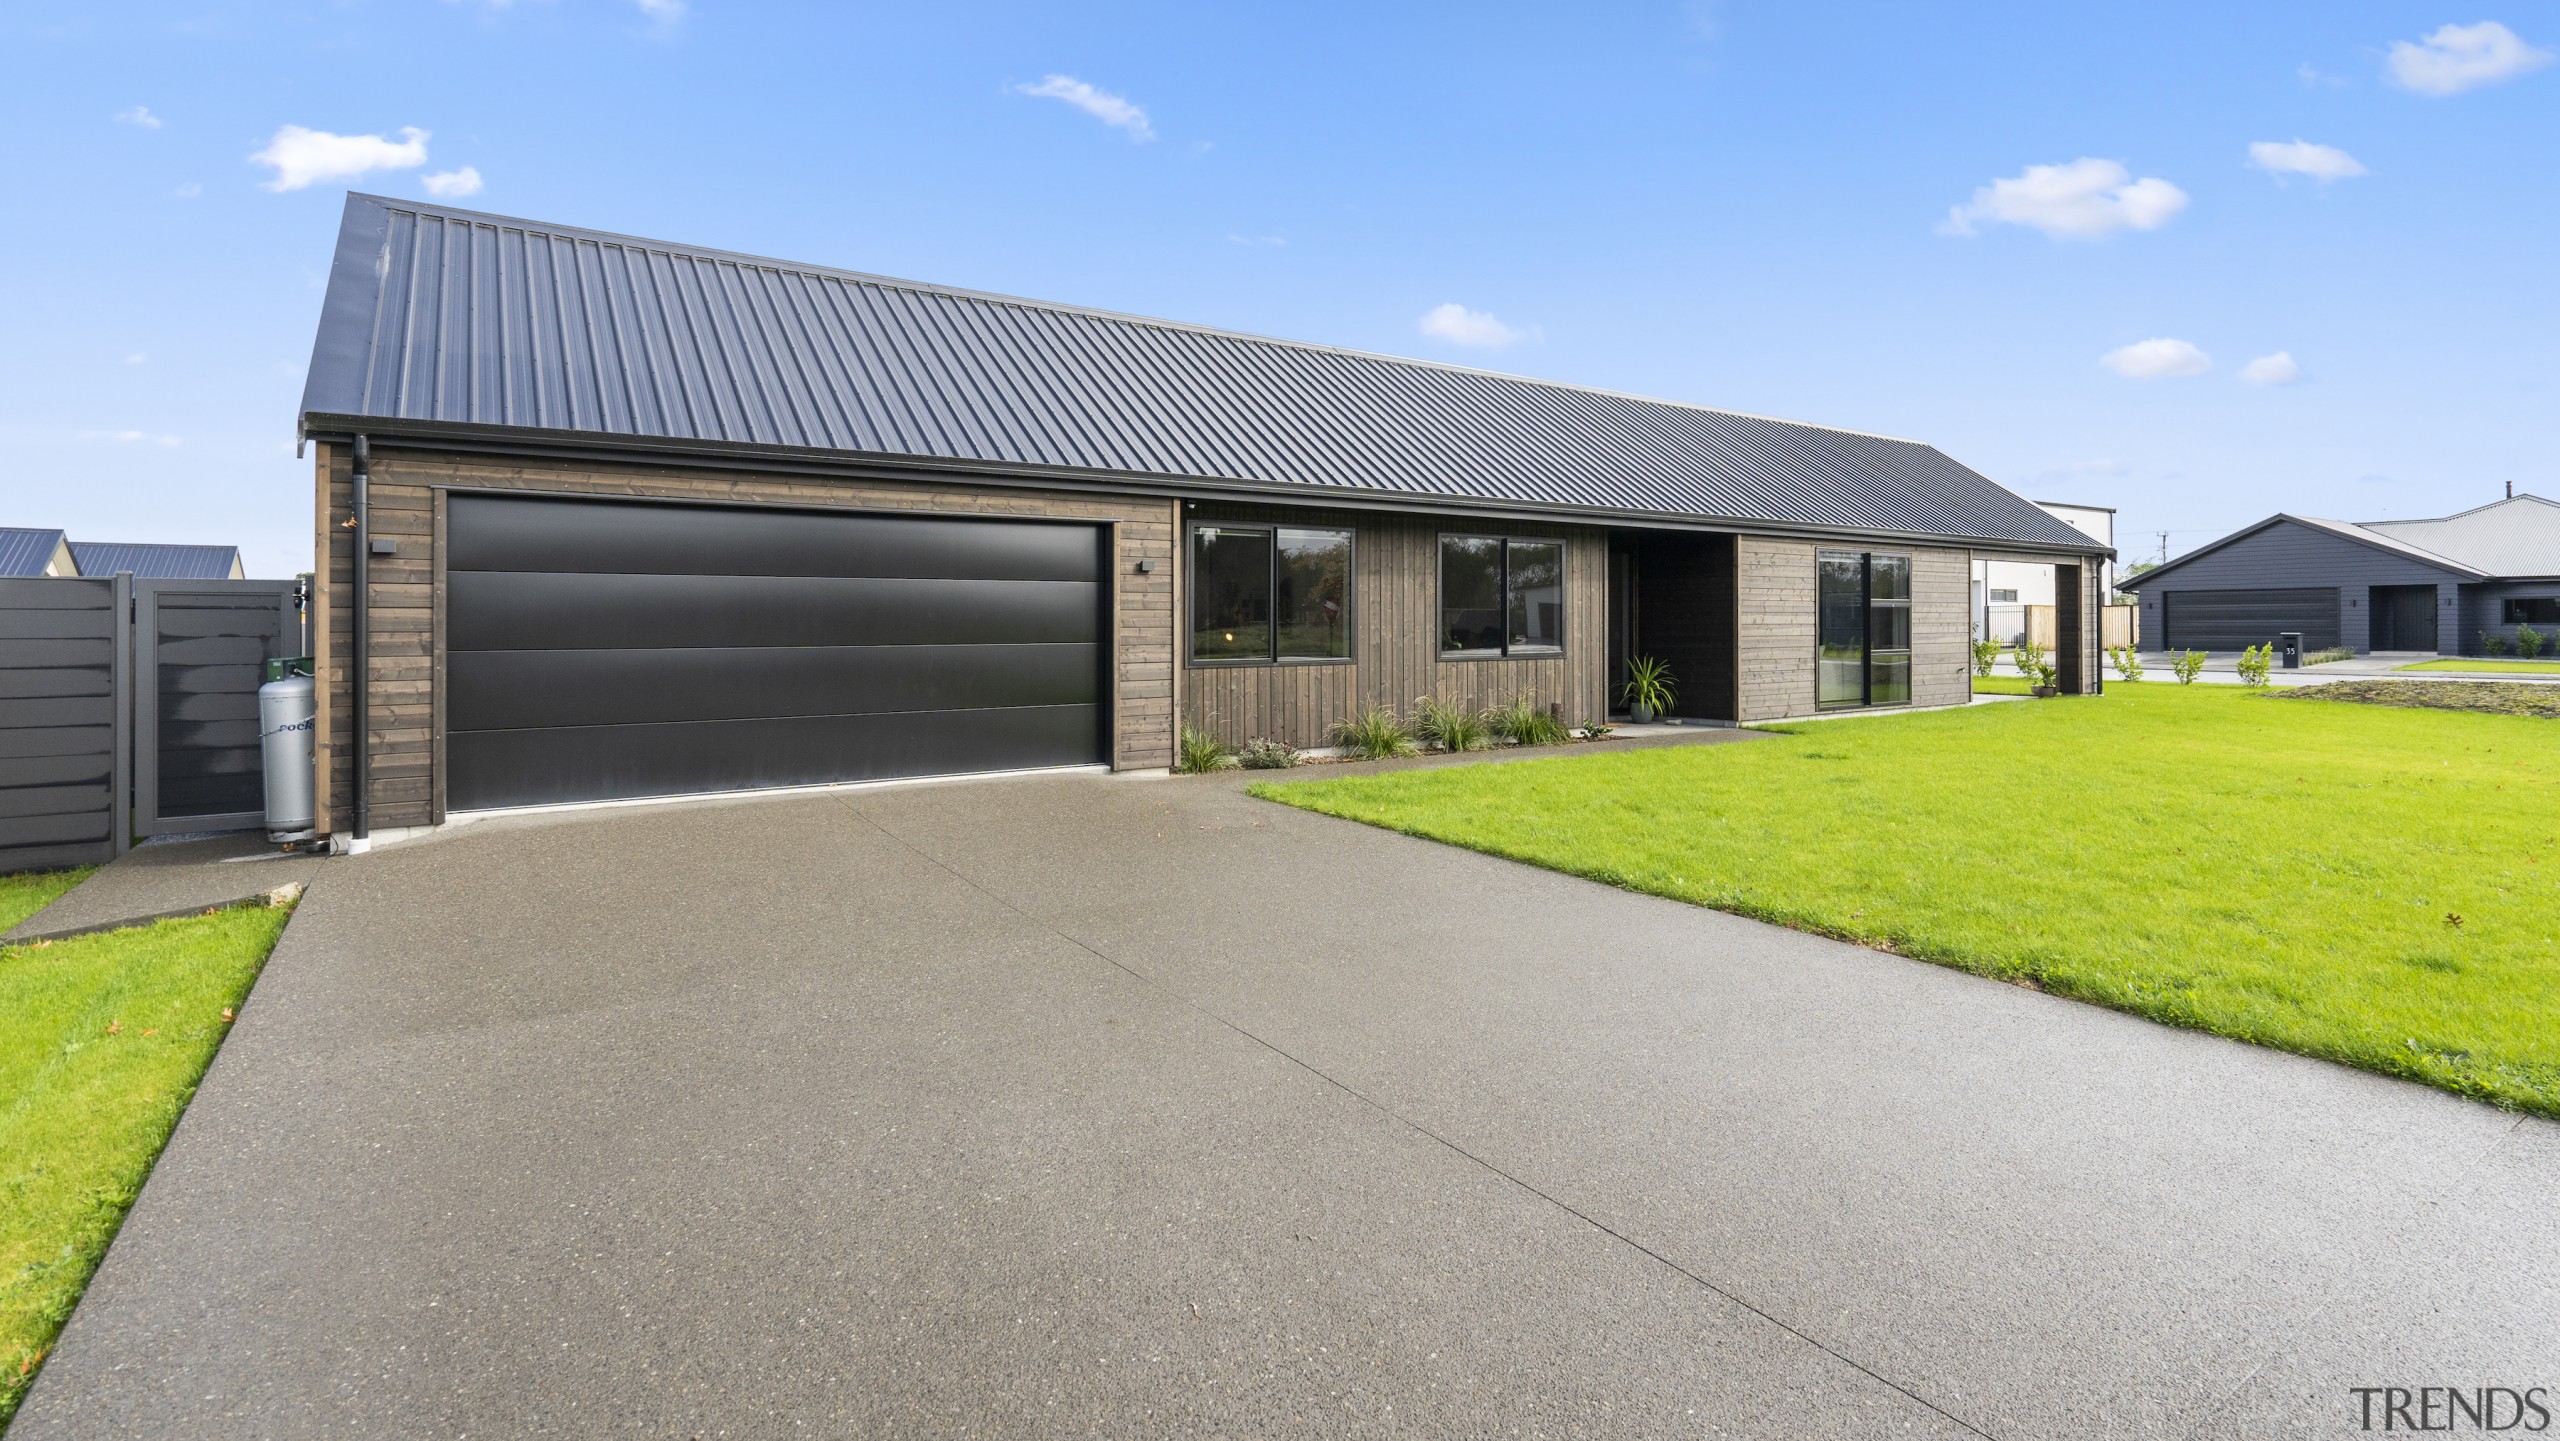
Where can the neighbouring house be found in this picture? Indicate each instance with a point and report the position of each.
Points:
(2430, 586)
(47, 553)
(159, 562)
(25, 552)
(2008, 595)
(601, 517)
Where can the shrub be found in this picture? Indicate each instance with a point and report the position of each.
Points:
(2493, 644)
(1986, 654)
(1202, 752)
(1265, 754)
(2187, 665)
(2254, 663)
(2333, 653)
(1374, 734)
(1450, 727)
(1523, 723)
(1650, 684)
(2030, 658)
(1592, 730)
(2528, 642)
(2127, 663)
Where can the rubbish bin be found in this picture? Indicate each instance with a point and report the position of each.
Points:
(286, 705)
(2289, 643)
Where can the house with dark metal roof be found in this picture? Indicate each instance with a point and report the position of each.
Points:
(2443, 586)
(158, 562)
(25, 552)
(607, 517)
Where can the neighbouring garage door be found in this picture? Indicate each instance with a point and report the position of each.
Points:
(603, 649)
(2234, 619)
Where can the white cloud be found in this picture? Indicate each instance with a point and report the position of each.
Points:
(139, 115)
(136, 358)
(1458, 325)
(661, 10)
(189, 191)
(2079, 201)
(2323, 163)
(2461, 57)
(306, 157)
(452, 184)
(2311, 77)
(2277, 369)
(2156, 359)
(1102, 105)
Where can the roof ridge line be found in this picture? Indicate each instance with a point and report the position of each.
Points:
(927, 287)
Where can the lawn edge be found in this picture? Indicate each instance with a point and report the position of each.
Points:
(14, 1389)
(2514, 1098)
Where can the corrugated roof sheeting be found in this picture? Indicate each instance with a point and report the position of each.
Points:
(27, 552)
(157, 562)
(448, 316)
(2517, 536)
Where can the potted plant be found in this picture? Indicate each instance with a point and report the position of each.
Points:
(1649, 692)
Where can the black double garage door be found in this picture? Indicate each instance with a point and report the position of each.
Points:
(598, 650)
(2238, 619)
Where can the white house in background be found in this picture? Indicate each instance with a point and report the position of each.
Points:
(2003, 589)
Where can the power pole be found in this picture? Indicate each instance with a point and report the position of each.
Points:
(2164, 547)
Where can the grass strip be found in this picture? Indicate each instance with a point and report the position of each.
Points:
(23, 893)
(102, 1041)
(2488, 667)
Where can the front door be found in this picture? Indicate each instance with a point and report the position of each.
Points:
(2404, 617)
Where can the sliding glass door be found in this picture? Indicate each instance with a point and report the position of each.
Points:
(1863, 629)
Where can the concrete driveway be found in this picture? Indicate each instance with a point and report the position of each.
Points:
(1140, 1108)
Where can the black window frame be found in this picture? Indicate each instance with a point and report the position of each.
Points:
(1270, 531)
(1505, 650)
(1869, 608)
(2517, 609)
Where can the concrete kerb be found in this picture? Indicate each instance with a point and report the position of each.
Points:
(283, 895)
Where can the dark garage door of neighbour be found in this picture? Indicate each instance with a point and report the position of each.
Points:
(2236, 619)
(600, 650)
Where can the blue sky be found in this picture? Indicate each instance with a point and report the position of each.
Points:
(1793, 209)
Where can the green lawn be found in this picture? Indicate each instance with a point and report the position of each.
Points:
(24, 893)
(2372, 884)
(102, 1040)
(2488, 667)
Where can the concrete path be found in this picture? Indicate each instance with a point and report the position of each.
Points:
(171, 878)
(1141, 1108)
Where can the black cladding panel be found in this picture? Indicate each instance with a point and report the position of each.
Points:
(606, 649)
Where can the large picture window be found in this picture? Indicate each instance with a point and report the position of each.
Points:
(1501, 596)
(1862, 653)
(2533, 610)
(1269, 594)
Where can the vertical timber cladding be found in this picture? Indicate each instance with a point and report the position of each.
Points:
(412, 607)
(1395, 645)
(1776, 618)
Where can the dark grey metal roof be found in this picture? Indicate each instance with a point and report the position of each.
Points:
(27, 552)
(449, 318)
(157, 562)
(2344, 530)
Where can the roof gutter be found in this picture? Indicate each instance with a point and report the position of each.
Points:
(696, 454)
